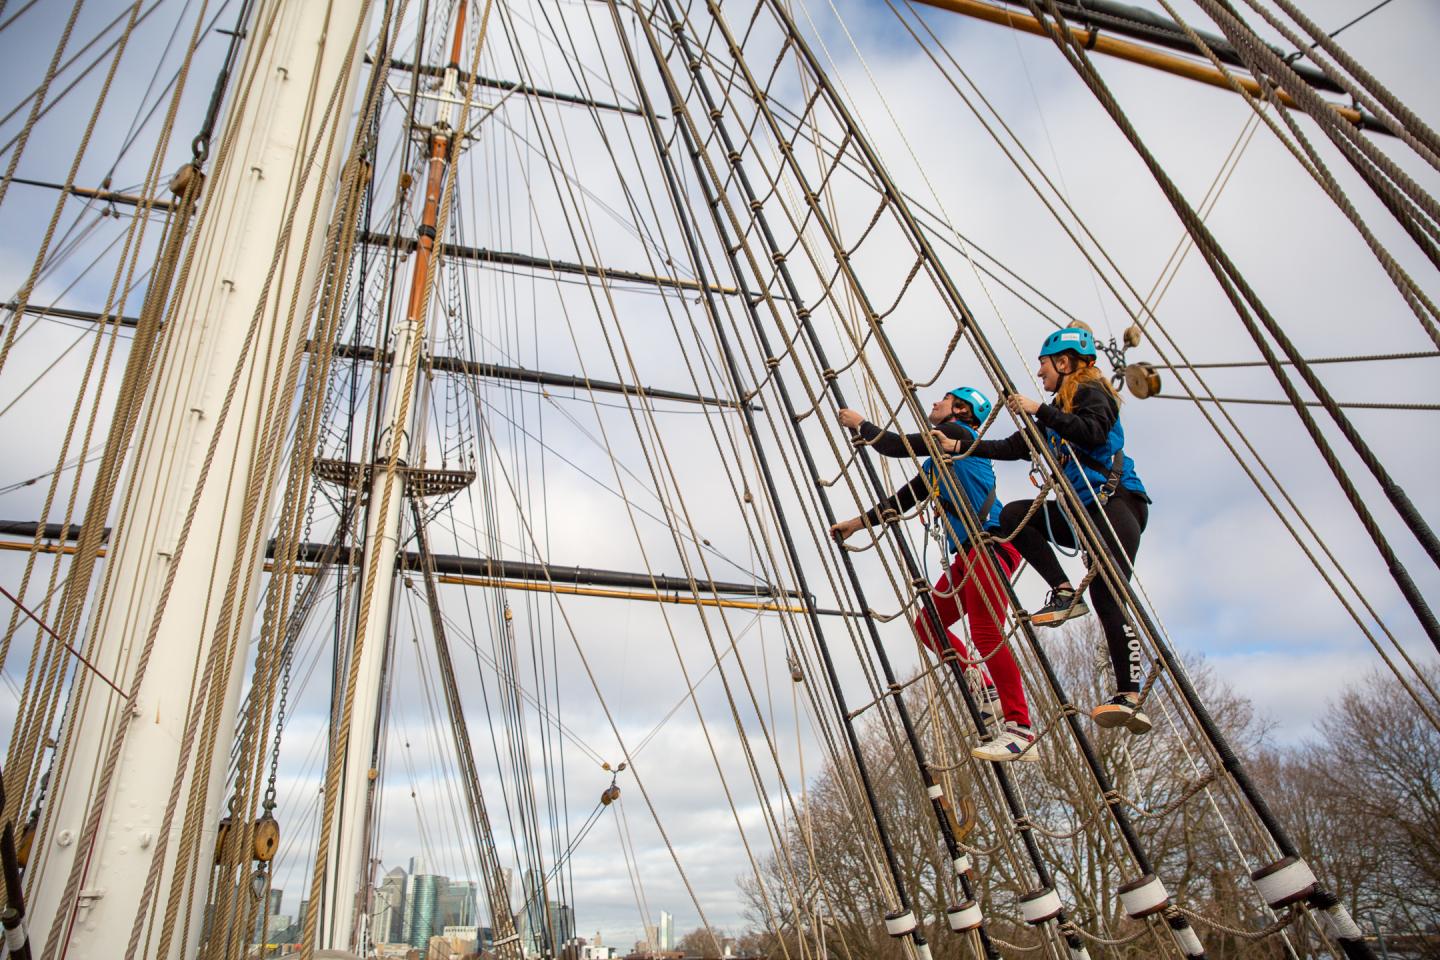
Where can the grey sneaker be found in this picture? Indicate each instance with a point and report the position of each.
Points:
(1122, 710)
(1062, 604)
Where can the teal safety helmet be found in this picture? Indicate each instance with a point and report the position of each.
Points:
(979, 403)
(1071, 339)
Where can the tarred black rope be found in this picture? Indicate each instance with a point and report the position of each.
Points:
(200, 146)
(1002, 776)
(1243, 298)
(1234, 286)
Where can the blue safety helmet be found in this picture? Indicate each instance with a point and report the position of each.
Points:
(1071, 339)
(979, 403)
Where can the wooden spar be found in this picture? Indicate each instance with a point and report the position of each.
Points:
(532, 585)
(440, 364)
(108, 196)
(1125, 50)
(509, 85)
(527, 261)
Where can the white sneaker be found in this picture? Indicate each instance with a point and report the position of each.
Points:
(1014, 743)
(989, 705)
(987, 698)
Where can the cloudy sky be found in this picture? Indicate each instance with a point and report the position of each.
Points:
(1218, 567)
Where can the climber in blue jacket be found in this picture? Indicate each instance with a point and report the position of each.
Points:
(971, 587)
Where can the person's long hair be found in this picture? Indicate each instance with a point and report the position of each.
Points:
(1085, 372)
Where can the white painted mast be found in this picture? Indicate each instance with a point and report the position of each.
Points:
(349, 882)
(248, 201)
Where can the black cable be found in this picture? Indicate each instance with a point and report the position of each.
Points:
(1359, 358)
(1253, 314)
(867, 781)
(1234, 286)
(200, 146)
(1355, 405)
(1338, 30)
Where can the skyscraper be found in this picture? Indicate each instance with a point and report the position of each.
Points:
(422, 894)
(544, 930)
(455, 904)
(261, 921)
(666, 931)
(387, 910)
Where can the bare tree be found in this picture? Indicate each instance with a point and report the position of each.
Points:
(828, 896)
(1364, 804)
(702, 943)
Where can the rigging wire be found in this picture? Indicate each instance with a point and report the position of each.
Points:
(1348, 24)
(1359, 358)
(1352, 405)
(536, 547)
(1303, 519)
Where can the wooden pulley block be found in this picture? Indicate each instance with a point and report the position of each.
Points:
(1142, 379)
(220, 836)
(183, 179)
(1131, 336)
(267, 839)
(611, 794)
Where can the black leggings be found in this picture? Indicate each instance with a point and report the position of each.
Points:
(1127, 512)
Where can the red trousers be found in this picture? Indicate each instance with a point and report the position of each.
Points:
(984, 599)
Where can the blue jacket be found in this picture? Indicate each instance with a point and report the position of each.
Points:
(975, 476)
(1088, 441)
(1088, 469)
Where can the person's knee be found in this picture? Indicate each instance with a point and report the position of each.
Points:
(1013, 514)
(927, 635)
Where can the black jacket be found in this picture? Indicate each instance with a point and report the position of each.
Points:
(1093, 414)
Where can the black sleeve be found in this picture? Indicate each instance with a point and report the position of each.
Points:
(1090, 419)
(887, 443)
(1012, 447)
(901, 500)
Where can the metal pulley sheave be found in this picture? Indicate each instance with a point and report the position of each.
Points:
(1140, 378)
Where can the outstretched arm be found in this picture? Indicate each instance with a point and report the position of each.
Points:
(1012, 447)
(888, 443)
(900, 501)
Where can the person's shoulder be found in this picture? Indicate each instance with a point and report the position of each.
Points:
(1095, 393)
